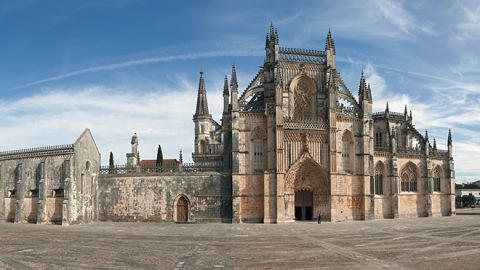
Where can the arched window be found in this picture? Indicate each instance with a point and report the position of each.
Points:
(379, 171)
(202, 146)
(258, 136)
(409, 178)
(378, 138)
(347, 152)
(437, 173)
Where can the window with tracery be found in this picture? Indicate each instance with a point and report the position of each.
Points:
(409, 179)
(347, 152)
(378, 138)
(258, 154)
(436, 179)
(379, 170)
(258, 137)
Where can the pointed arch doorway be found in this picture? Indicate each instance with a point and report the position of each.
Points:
(307, 191)
(182, 209)
(304, 205)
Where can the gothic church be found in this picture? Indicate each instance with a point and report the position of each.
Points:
(296, 144)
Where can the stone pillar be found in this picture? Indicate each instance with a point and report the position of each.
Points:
(428, 186)
(270, 202)
(42, 195)
(2, 195)
(20, 186)
(451, 166)
(395, 191)
(68, 195)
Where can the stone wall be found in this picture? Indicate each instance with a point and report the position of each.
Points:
(154, 198)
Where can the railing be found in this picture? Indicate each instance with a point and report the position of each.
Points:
(37, 149)
(129, 170)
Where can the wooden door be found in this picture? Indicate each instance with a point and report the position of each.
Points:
(182, 210)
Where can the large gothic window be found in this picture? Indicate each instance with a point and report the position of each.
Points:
(379, 172)
(347, 152)
(409, 178)
(304, 98)
(436, 179)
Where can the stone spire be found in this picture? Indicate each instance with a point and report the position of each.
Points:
(426, 135)
(329, 44)
(362, 88)
(405, 112)
(387, 111)
(180, 157)
(225, 87)
(234, 89)
(369, 93)
(330, 51)
(226, 95)
(449, 144)
(434, 144)
(411, 117)
(202, 105)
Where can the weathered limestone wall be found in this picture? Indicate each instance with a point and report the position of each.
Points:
(251, 198)
(154, 198)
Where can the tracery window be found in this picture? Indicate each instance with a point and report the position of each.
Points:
(378, 138)
(347, 152)
(258, 137)
(258, 154)
(436, 179)
(409, 179)
(379, 170)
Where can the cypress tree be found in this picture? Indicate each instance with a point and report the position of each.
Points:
(111, 164)
(159, 163)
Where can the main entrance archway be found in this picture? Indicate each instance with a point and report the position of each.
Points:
(307, 191)
(303, 205)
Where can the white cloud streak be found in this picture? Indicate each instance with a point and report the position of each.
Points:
(145, 61)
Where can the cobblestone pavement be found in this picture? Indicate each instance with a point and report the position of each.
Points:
(423, 243)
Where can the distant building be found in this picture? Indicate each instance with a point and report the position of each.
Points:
(54, 184)
(467, 189)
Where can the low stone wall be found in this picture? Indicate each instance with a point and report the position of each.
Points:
(154, 198)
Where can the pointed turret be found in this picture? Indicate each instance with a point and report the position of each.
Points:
(369, 93)
(411, 117)
(427, 144)
(434, 144)
(405, 113)
(234, 89)
(329, 44)
(330, 50)
(387, 111)
(202, 105)
(449, 144)
(226, 95)
(180, 157)
(362, 88)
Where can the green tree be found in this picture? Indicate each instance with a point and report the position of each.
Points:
(111, 164)
(159, 163)
(468, 200)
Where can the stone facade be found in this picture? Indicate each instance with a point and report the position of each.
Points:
(295, 145)
(300, 145)
(56, 184)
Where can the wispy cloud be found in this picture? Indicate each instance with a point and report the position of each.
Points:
(144, 61)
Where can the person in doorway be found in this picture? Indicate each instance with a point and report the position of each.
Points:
(319, 220)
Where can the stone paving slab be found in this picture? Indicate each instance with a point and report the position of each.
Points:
(422, 243)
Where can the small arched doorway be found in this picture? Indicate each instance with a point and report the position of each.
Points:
(182, 210)
(303, 205)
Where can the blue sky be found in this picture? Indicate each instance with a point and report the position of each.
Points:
(127, 66)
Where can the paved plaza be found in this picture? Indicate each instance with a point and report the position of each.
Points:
(421, 243)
